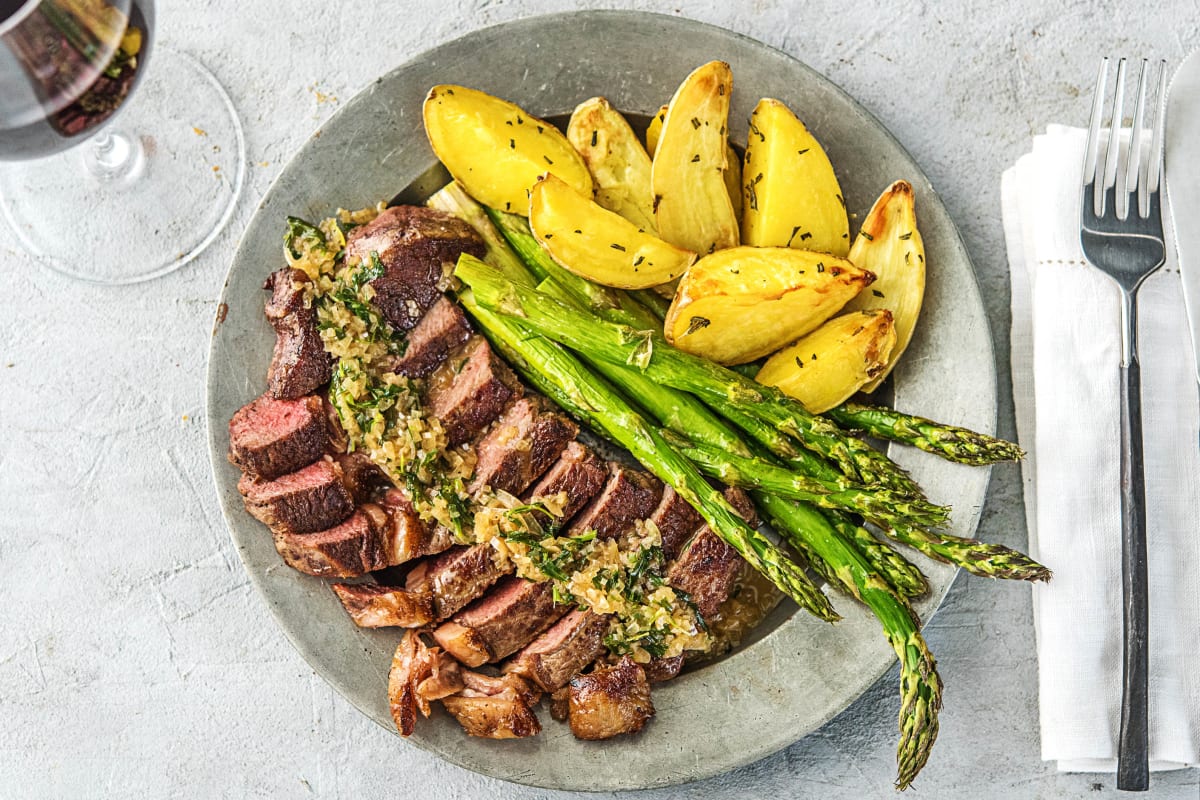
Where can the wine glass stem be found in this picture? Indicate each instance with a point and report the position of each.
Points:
(114, 156)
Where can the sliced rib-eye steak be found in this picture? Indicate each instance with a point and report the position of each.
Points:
(495, 708)
(629, 495)
(610, 701)
(708, 567)
(522, 445)
(270, 437)
(374, 606)
(500, 623)
(418, 247)
(579, 473)
(456, 577)
(357, 546)
(411, 536)
(442, 330)
(563, 651)
(470, 389)
(676, 521)
(309, 500)
(299, 365)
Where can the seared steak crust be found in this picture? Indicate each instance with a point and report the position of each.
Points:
(500, 623)
(629, 495)
(579, 473)
(411, 536)
(495, 708)
(663, 669)
(563, 651)
(357, 546)
(418, 246)
(374, 606)
(270, 437)
(676, 521)
(456, 577)
(469, 390)
(522, 445)
(443, 328)
(306, 501)
(708, 567)
(418, 675)
(299, 365)
(610, 701)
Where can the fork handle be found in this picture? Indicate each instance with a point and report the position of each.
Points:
(1133, 765)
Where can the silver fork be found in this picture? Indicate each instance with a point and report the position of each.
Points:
(1122, 235)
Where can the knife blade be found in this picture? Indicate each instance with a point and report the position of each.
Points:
(1182, 172)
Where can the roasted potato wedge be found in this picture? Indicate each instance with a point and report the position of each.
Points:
(890, 246)
(495, 149)
(733, 162)
(691, 204)
(791, 195)
(598, 244)
(742, 303)
(827, 366)
(619, 164)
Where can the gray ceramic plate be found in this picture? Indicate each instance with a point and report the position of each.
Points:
(777, 687)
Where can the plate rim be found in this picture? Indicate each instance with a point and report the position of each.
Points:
(217, 438)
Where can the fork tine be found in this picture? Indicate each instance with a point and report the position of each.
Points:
(1113, 151)
(1154, 171)
(1135, 165)
(1091, 156)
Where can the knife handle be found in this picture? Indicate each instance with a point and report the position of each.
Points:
(1133, 762)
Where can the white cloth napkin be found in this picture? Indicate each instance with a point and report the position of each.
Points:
(1065, 361)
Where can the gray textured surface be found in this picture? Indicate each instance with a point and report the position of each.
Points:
(135, 660)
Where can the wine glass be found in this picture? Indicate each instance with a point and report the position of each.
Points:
(113, 169)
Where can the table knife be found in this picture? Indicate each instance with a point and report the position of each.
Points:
(1182, 171)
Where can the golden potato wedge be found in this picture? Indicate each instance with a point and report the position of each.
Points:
(691, 204)
(619, 164)
(890, 246)
(495, 149)
(791, 195)
(598, 244)
(827, 366)
(742, 303)
(733, 162)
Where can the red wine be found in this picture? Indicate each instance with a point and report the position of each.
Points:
(66, 67)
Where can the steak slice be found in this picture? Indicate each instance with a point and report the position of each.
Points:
(374, 606)
(418, 247)
(521, 446)
(357, 546)
(443, 328)
(309, 500)
(563, 651)
(418, 675)
(663, 669)
(676, 521)
(610, 701)
(495, 708)
(470, 389)
(456, 577)
(299, 365)
(579, 473)
(629, 495)
(270, 437)
(501, 622)
(411, 536)
(707, 568)
(361, 476)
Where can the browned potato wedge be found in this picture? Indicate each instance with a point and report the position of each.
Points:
(596, 243)
(827, 366)
(792, 197)
(619, 164)
(733, 168)
(890, 246)
(495, 149)
(742, 303)
(691, 204)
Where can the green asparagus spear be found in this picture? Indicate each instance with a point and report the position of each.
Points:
(985, 559)
(920, 685)
(948, 441)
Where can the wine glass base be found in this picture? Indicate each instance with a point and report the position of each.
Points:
(156, 190)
